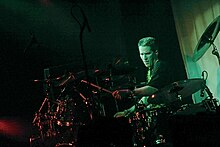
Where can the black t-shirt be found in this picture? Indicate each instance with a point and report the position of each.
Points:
(162, 75)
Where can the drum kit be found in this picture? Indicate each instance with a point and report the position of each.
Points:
(72, 100)
(61, 118)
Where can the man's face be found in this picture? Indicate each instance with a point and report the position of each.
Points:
(147, 56)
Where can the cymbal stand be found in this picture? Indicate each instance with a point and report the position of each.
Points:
(177, 103)
(111, 85)
(210, 104)
(102, 109)
(87, 103)
(215, 52)
(38, 114)
(175, 89)
(37, 118)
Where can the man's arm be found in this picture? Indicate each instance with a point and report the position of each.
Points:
(144, 91)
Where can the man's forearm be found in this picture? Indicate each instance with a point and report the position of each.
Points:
(145, 91)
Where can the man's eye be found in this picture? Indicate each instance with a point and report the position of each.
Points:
(144, 53)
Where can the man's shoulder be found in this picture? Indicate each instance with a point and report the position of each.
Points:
(164, 65)
(162, 62)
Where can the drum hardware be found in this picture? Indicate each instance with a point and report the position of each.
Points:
(102, 110)
(69, 78)
(210, 103)
(44, 118)
(87, 102)
(63, 112)
(38, 118)
(96, 86)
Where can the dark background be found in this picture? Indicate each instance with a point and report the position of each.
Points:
(116, 26)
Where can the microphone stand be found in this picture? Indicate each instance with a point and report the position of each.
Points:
(82, 28)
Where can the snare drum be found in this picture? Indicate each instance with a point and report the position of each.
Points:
(145, 122)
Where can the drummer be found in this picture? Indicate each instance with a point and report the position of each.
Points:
(159, 74)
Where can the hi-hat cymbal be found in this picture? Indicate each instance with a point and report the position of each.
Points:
(177, 91)
(206, 39)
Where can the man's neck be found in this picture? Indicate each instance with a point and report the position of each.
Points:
(152, 67)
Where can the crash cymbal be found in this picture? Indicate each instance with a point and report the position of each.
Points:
(206, 39)
(177, 91)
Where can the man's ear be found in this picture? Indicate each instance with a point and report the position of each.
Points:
(156, 52)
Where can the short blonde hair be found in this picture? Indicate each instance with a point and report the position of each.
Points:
(149, 41)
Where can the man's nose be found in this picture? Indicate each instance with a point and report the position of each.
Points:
(145, 57)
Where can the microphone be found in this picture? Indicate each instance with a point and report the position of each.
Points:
(85, 20)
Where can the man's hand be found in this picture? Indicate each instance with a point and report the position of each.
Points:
(119, 114)
(123, 93)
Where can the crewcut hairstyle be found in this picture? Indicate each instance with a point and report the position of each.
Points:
(149, 41)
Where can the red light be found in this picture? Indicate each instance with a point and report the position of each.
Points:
(14, 127)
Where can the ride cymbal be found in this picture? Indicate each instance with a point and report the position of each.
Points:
(177, 91)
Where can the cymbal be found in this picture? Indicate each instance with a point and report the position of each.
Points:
(114, 71)
(121, 66)
(207, 39)
(176, 91)
(78, 76)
